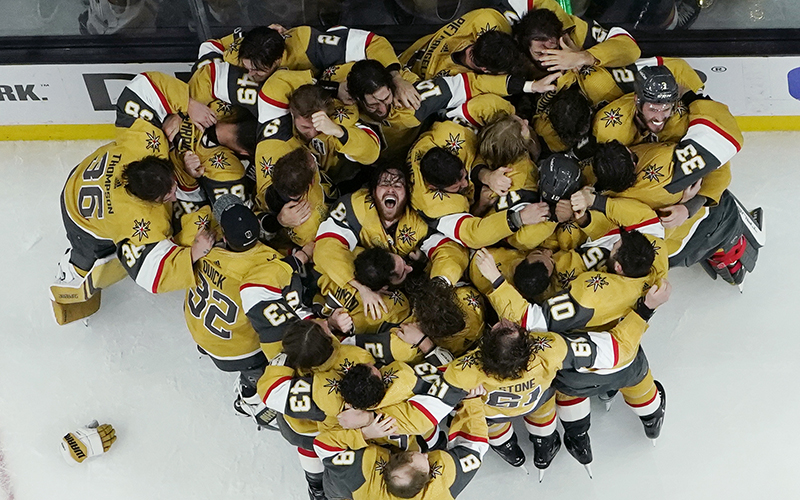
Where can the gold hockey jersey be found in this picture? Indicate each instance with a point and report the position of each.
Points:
(357, 474)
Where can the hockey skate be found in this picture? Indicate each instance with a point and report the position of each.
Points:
(253, 407)
(511, 452)
(315, 490)
(580, 447)
(734, 264)
(545, 449)
(653, 422)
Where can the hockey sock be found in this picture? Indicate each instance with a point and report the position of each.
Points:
(573, 413)
(643, 398)
(542, 422)
(309, 461)
(500, 433)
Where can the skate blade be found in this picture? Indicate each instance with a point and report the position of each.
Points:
(588, 470)
(541, 474)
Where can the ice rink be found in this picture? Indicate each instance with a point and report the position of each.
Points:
(726, 360)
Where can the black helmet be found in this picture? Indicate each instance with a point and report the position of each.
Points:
(559, 177)
(656, 84)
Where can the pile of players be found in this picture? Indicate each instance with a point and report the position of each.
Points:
(481, 227)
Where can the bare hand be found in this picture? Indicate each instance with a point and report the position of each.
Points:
(691, 191)
(542, 85)
(535, 213)
(405, 94)
(381, 427)
(498, 181)
(340, 320)
(412, 335)
(354, 419)
(673, 216)
(658, 295)
(476, 392)
(192, 165)
(203, 243)
(582, 200)
(324, 125)
(171, 126)
(567, 57)
(201, 115)
(563, 210)
(294, 213)
(373, 303)
(487, 265)
(277, 27)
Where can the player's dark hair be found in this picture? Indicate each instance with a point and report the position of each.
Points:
(293, 174)
(366, 77)
(537, 24)
(149, 179)
(498, 54)
(571, 115)
(308, 99)
(373, 268)
(531, 279)
(306, 345)
(502, 143)
(263, 46)
(613, 167)
(246, 133)
(361, 388)
(440, 168)
(636, 254)
(384, 167)
(435, 307)
(401, 480)
(505, 351)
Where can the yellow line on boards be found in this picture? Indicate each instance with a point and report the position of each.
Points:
(107, 131)
(56, 132)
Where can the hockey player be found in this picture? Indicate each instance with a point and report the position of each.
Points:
(119, 201)
(371, 472)
(244, 294)
(261, 51)
(516, 366)
(212, 157)
(665, 176)
(380, 217)
(466, 44)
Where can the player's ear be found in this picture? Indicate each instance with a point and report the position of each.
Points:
(618, 268)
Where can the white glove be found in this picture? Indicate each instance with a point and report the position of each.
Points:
(439, 356)
(87, 442)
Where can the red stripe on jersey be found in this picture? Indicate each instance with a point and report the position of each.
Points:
(325, 447)
(537, 424)
(217, 44)
(465, 110)
(161, 96)
(458, 228)
(307, 453)
(213, 79)
(469, 437)
(616, 350)
(335, 236)
(648, 222)
(433, 250)
(571, 402)
(369, 39)
(424, 412)
(525, 319)
(258, 285)
(467, 89)
(370, 132)
(274, 385)
(161, 268)
(272, 101)
(645, 403)
(727, 136)
(659, 60)
(530, 5)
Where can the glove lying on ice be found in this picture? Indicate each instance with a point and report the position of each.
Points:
(87, 442)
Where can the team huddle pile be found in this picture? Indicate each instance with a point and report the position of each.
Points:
(479, 228)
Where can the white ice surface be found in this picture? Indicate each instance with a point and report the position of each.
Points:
(726, 359)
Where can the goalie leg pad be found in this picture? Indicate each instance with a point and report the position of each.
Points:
(70, 287)
(67, 313)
